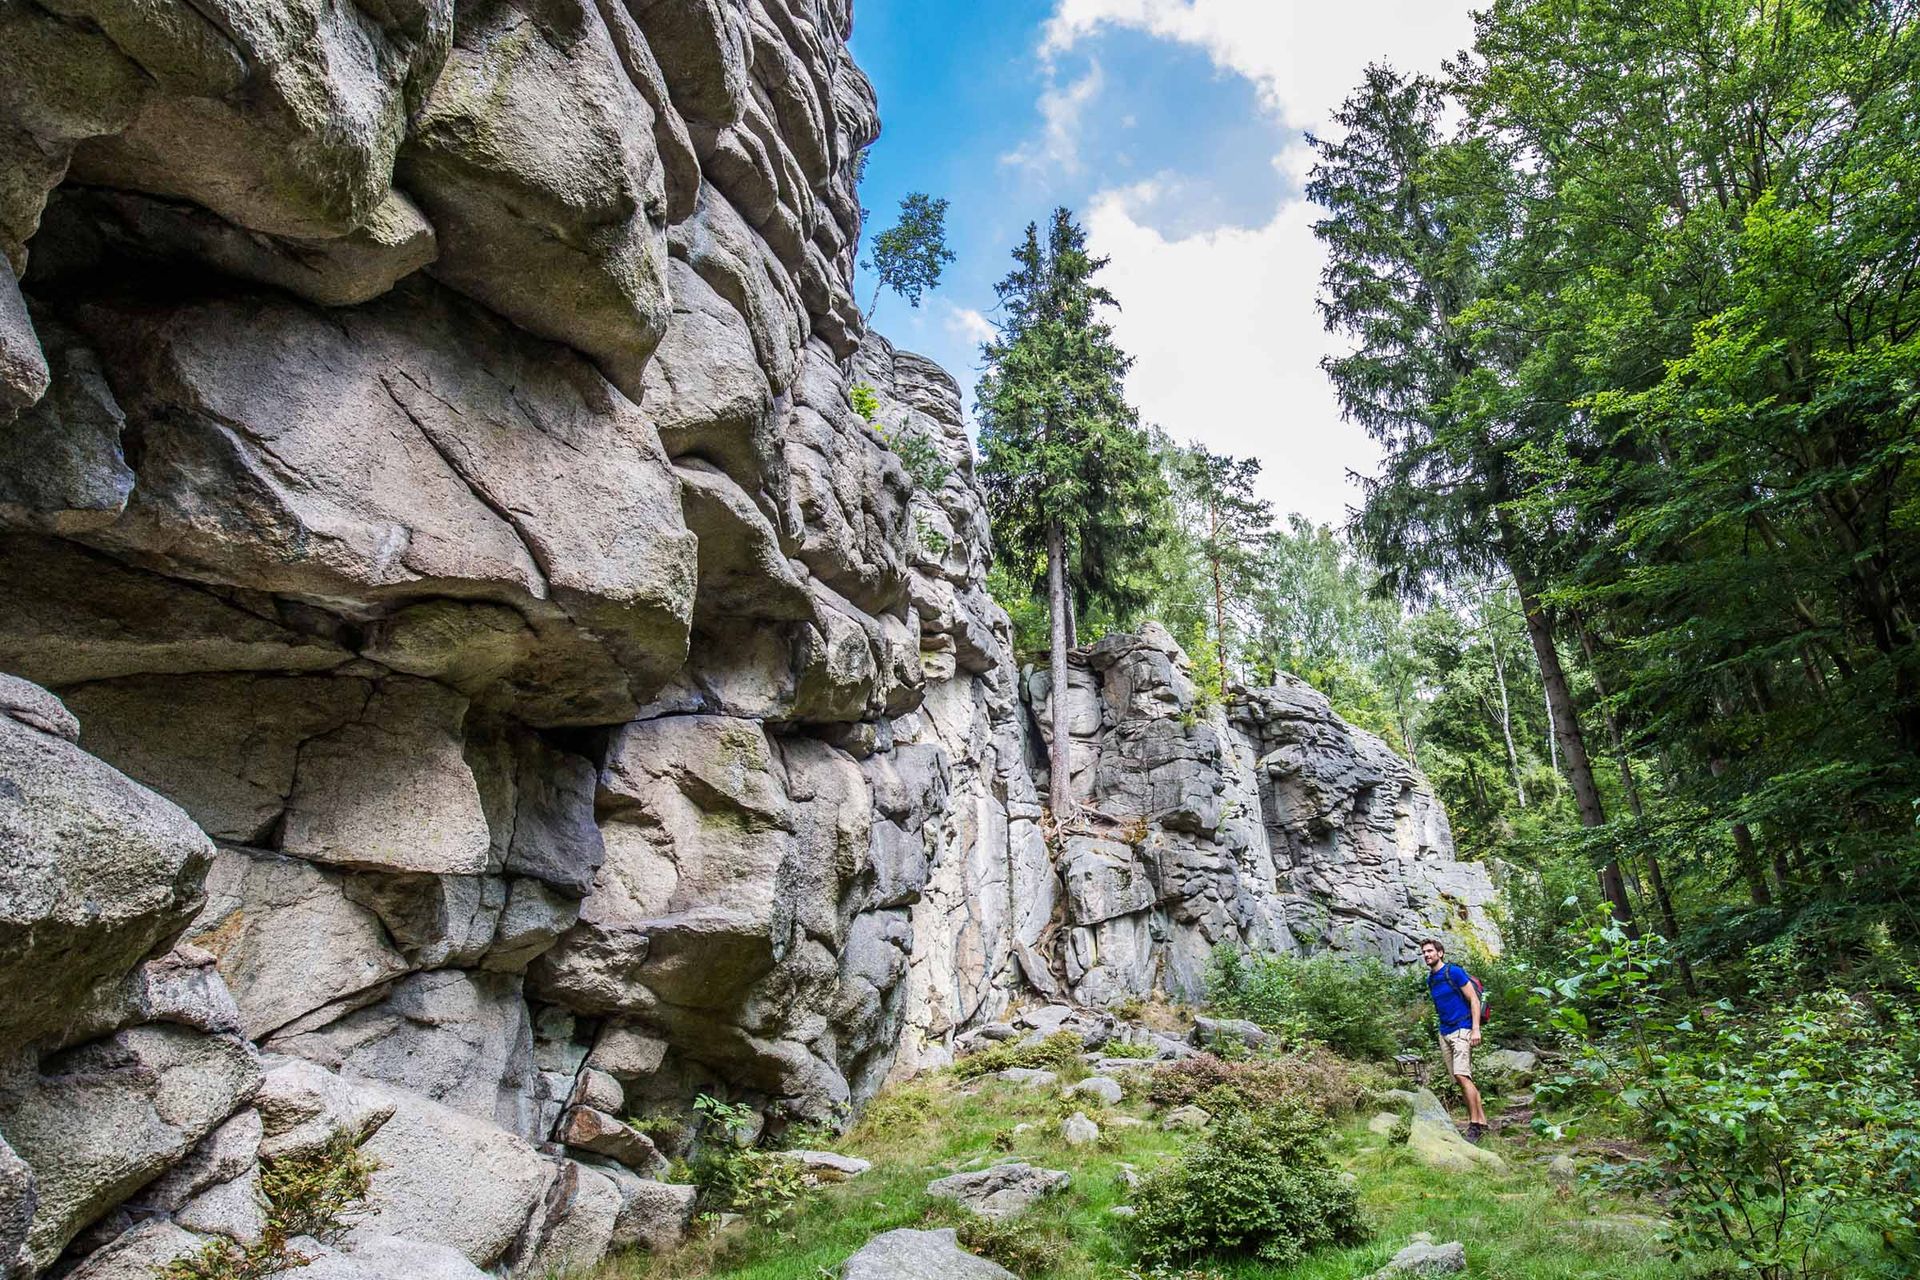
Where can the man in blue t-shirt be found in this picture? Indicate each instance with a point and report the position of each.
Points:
(1457, 1002)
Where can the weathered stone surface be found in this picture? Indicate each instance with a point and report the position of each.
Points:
(655, 1216)
(459, 1037)
(596, 1131)
(906, 1254)
(287, 938)
(371, 1257)
(1079, 1131)
(1102, 1089)
(1187, 1117)
(94, 869)
(99, 1121)
(829, 1166)
(23, 366)
(223, 1155)
(61, 465)
(1425, 1258)
(18, 1201)
(303, 1107)
(575, 1227)
(1001, 1190)
(1210, 1032)
(446, 1178)
(1434, 1139)
(140, 1253)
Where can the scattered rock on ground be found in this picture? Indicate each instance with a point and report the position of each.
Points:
(1079, 1131)
(1001, 1190)
(1208, 1032)
(1433, 1138)
(1187, 1117)
(907, 1254)
(1104, 1089)
(1383, 1122)
(829, 1166)
(1030, 1077)
(1425, 1258)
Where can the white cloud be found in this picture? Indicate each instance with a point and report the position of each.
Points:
(1227, 344)
(1303, 55)
(966, 324)
(1062, 110)
(1222, 324)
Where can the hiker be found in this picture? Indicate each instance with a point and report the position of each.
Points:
(1456, 998)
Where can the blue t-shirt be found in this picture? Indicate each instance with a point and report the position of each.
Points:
(1447, 986)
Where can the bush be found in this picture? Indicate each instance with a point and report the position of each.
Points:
(1785, 1139)
(1355, 1006)
(313, 1195)
(1138, 1052)
(1018, 1244)
(1060, 1051)
(1312, 1078)
(1257, 1184)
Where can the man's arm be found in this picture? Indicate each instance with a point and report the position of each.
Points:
(1472, 993)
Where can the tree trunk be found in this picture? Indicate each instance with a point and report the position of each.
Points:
(1573, 746)
(1506, 718)
(1060, 793)
(1745, 855)
(1656, 875)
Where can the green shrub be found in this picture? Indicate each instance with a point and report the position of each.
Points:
(311, 1195)
(1785, 1139)
(1313, 1078)
(1114, 1049)
(920, 457)
(1060, 1051)
(1356, 1006)
(1256, 1184)
(1020, 1245)
(864, 399)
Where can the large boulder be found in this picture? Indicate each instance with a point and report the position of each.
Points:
(449, 1179)
(97, 1122)
(94, 869)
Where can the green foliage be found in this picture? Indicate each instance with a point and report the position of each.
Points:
(1114, 1049)
(1060, 447)
(1019, 1244)
(1257, 1183)
(313, 1195)
(1356, 1007)
(735, 1177)
(909, 256)
(1060, 1051)
(1312, 1078)
(1786, 1141)
(864, 399)
(921, 458)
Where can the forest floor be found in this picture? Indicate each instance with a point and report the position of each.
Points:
(1520, 1225)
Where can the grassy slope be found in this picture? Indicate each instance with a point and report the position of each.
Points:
(1516, 1227)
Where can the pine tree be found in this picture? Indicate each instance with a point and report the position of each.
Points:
(1227, 527)
(1070, 477)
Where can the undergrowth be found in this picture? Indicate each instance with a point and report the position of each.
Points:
(313, 1195)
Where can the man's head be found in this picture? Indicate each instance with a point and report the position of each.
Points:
(1434, 952)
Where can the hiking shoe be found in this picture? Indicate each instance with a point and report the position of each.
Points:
(1475, 1132)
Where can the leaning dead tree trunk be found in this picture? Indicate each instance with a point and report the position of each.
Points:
(1060, 790)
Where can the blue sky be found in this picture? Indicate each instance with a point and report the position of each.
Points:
(1175, 129)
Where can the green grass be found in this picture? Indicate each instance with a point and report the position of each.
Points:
(1516, 1227)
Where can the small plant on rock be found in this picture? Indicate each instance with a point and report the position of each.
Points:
(1060, 1051)
(314, 1195)
(1257, 1184)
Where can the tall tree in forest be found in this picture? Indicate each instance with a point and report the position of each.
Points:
(1226, 526)
(1415, 225)
(1069, 475)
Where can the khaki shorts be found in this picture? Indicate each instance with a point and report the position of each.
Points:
(1456, 1051)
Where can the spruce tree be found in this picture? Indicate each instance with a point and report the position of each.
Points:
(1070, 477)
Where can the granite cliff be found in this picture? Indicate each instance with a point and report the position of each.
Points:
(473, 676)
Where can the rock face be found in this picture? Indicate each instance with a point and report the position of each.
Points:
(472, 678)
(1266, 824)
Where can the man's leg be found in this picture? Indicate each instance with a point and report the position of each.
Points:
(1476, 1114)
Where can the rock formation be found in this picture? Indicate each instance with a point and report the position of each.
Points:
(474, 676)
